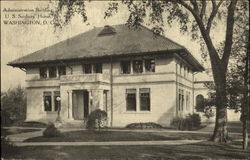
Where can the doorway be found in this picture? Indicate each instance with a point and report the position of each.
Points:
(80, 104)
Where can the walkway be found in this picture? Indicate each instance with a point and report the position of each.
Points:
(113, 143)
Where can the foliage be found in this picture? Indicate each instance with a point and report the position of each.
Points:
(206, 105)
(7, 147)
(13, 105)
(148, 125)
(97, 119)
(191, 121)
(51, 131)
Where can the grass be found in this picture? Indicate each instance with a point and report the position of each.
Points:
(203, 150)
(102, 136)
(11, 131)
(32, 124)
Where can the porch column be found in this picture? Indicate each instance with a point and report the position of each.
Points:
(70, 108)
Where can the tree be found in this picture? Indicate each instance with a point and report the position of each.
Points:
(196, 17)
(13, 105)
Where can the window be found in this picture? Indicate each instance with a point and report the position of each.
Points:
(47, 101)
(144, 99)
(150, 65)
(187, 101)
(52, 72)
(87, 68)
(131, 99)
(97, 68)
(61, 70)
(43, 72)
(185, 71)
(137, 66)
(57, 103)
(181, 100)
(125, 67)
(180, 69)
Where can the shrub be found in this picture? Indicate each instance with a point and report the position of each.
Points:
(97, 119)
(196, 119)
(13, 105)
(7, 148)
(190, 122)
(148, 125)
(51, 131)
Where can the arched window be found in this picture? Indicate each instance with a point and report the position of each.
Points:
(199, 103)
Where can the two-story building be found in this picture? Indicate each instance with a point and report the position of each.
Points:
(132, 74)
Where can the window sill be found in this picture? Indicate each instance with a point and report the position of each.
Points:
(50, 112)
(137, 112)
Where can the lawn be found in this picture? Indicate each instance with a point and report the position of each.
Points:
(5, 131)
(102, 136)
(203, 150)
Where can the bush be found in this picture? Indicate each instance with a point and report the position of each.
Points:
(148, 125)
(13, 105)
(97, 119)
(196, 120)
(190, 122)
(7, 148)
(51, 131)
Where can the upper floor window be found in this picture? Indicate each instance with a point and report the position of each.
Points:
(131, 99)
(87, 68)
(149, 65)
(144, 99)
(180, 69)
(97, 67)
(185, 71)
(43, 72)
(137, 66)
(61, 70)
(125, 67)
(52, 72)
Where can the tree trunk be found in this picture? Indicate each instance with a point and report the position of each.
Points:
(220, 131)
(245, 134)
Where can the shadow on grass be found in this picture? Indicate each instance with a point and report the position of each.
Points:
(103, 136)
(202, 150)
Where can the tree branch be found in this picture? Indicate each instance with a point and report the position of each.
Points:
(212, 51)
(229, 34)
(203, 9)
(194, 3)
(213, 14)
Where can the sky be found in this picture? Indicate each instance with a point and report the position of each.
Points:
(20, 40)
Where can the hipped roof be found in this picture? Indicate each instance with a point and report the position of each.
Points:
(122, 40)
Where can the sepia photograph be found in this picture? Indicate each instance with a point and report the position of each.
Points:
(125, 79)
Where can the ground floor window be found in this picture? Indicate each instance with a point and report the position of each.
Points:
(181, 99)
(144, 99)
(131, 99)
(57, 102)
(47, 101)
(187, 100)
